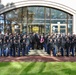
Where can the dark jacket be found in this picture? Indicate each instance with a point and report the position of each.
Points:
(67, 44)
(50, 45)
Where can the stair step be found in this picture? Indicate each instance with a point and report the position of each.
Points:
(38, 52)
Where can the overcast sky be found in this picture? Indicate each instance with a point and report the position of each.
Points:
(9, 1)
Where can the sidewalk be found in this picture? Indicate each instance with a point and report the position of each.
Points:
(38, 59)
(38, 56)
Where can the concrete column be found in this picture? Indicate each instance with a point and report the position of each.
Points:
(74, 24)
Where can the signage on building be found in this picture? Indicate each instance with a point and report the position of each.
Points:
(35, 29)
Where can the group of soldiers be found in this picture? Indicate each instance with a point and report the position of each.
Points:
(61, 44)
(20, 44)
(14, 44)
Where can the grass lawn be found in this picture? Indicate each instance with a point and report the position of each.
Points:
(37, 68)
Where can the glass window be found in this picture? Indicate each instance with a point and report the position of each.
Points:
(2, 23)
(24, 20)
(62, 26)
(13, 17)
(48, 11)
(70, 23)
(57, 14)
(36, 15)
(47, 28)
(70, 16)
(36, 12)
(62, 31)
(43, 17)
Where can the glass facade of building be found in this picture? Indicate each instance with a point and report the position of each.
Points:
(36, 19)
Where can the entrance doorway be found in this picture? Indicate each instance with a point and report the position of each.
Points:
(61, 28)
(36, 29)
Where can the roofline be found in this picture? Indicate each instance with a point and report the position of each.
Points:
(39, 3)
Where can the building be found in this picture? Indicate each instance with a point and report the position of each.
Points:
(39, 16)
